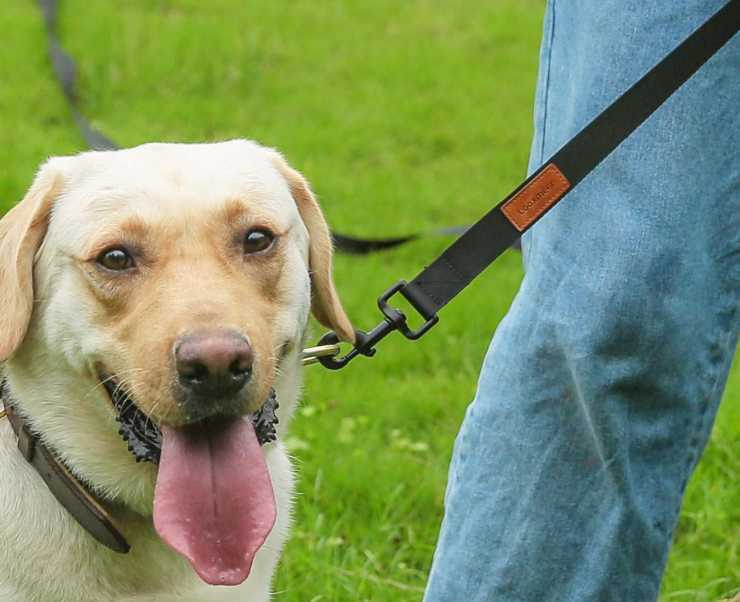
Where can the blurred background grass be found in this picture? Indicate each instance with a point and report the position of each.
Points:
(405, 116)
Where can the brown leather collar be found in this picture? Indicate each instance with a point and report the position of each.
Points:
(71, 493)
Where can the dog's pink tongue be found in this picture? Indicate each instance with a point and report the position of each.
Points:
(213, 502)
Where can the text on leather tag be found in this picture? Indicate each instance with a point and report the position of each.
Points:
(536, 197)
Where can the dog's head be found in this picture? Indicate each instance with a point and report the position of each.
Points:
(182, 274)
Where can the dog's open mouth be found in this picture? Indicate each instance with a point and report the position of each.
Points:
(144, 437)
(213, 499)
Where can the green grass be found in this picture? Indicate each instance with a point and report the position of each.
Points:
(404, 115)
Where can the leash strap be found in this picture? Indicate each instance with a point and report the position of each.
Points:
(439, 283)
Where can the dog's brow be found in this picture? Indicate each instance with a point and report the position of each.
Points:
(133, 227)
(238, 212)
(130, 230)
(234, 210)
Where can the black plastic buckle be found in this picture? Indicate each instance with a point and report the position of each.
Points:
(394, 319)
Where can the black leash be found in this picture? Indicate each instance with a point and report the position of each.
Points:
(66, 72)
(351, 245)
(436, 285)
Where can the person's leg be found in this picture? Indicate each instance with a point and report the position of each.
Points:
(599, 390)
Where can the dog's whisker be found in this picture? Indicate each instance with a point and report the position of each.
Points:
(113, 378)
(148, 422)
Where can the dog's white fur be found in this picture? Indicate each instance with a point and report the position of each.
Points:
(51, 351)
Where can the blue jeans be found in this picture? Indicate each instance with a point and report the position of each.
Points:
(598, 393)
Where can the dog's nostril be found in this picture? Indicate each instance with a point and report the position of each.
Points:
(240, 367)
(193, 371)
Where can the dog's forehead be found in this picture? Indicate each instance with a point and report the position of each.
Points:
(167, 180)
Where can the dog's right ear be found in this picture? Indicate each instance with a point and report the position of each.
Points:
(325, 302)
(21, 231)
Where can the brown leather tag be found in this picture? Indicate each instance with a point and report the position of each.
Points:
(536, 197)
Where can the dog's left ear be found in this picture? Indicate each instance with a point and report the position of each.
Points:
(21, 231)
(325, 303)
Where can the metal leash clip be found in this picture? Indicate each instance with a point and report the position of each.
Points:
(311, 355)
(393, 319)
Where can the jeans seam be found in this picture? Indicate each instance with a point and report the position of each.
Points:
(700, 424)
(546, 83)
(457, 452)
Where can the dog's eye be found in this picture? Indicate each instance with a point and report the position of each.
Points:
(258, 240)
(116, 259)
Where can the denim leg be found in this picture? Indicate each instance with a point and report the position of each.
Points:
(599, 390)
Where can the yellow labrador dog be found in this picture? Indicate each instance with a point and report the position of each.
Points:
(173, 281)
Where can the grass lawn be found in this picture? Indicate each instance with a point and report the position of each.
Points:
(404, 115)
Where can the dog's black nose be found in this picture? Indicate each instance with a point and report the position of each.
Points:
(213, 363)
